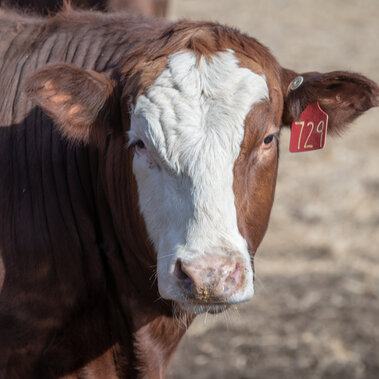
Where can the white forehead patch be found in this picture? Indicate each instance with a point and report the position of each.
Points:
(196, 102)
(192, 122)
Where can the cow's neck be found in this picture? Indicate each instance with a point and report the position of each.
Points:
(157, 341)
(153, 346)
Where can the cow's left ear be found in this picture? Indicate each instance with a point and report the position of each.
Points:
(342, 95)
(74, 98)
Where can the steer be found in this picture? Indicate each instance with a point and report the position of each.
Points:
(138, 166)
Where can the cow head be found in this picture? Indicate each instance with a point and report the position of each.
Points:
(205, 139)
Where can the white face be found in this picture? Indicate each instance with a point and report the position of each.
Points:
(191, 122)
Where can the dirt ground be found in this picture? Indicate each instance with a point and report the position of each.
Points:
(316, 309)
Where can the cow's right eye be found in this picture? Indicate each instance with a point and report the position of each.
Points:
(139, 143)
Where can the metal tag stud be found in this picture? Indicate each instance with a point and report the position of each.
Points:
(297, 82)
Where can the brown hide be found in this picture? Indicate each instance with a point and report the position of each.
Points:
(2, 272)
(79, 294)
(70, 291)
(45, 7)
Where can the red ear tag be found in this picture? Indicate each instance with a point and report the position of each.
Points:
(308, 132)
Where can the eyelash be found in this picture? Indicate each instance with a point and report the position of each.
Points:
(138, 143)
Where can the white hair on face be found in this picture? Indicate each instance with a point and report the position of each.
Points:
(192, 122)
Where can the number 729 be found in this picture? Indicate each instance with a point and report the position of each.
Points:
(320, 130)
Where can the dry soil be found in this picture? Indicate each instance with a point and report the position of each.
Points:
(316, 309)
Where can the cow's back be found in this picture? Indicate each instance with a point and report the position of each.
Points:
(89, 40)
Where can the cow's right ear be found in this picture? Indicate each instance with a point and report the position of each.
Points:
(74, 98)
(342, 95)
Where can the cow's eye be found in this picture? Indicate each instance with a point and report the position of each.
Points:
(138, 144)
(268, 140)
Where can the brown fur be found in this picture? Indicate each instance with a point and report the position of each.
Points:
(78, 261)
(254, 177)
(75, 98)
(45, 7)
(2, 272)
(101, 367)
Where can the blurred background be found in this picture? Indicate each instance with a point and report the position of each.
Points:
(316, 309)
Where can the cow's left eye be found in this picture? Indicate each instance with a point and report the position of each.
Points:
(268, 140)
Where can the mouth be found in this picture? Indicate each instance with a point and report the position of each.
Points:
(196, 308)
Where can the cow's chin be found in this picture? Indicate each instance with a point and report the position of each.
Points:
(199, 308)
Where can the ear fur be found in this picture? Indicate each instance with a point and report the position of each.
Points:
(74, 98)
(342, 95)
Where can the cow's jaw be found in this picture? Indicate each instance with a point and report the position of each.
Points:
(191, 121)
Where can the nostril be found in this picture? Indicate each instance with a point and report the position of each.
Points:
(185, 281)
(236, 273)
(234, 278)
